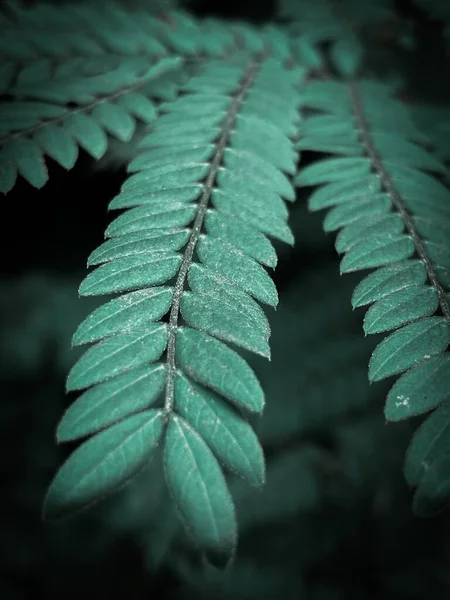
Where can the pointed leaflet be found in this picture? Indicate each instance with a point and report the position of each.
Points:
(401, 307)
(88, 134)
(420, 389)
(131, 272)
(173, 215)
(377, 251)
(115, 120)
(338, 192)
(241, 236)
(203, 280)
(248, 164)
(333, 169)
(366, 227)
(186, 193)
(217, 366)
(229, 436)
(347, 55)
(109, 402)
(139, 242)
(57, 143)
(126, 313)
(351, 213)
(407, 346)
(199, 489)
(182, 156)
(22, 155)
(237, 267)
(137, 104)
(268, 204)
(103, 464)
(258, 217)
(217, 315)
(388, 280)
(165, 176)
(117, 354)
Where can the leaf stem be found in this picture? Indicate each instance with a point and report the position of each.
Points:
(247, 80)
(377, 162)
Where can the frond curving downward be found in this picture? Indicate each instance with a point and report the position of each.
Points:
(188, 258)
(393, 216)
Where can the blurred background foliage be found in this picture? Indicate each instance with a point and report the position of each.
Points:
(334, 521)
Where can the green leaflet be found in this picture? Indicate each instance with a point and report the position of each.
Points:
(243, 164)
(258, 217)
(388, 280)
(194, 135)
(348, 214)
(333, 169)
(232, 439)
(186, 193)
(115, 120)
(131, 272)
(217, 315)
(400, 307)
(267, 205)
(213, 364)
(117, 354)
(131, 311)
(242, 236)
(199, 489)
(182, 157)
(166, 175)
(23, 156)
(271, 144)
(407, 346)
(111, 401)
(347, 55)
(55, 141)
(390, 223)
(103, 463)
(238, 268)
(137, 104)
(88, 134)
(377, 251)
(139, 242)
(174, 214)
(338, 192)
(205, 281)
(420, 389)
(197, 104)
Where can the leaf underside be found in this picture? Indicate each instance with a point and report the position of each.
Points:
(188, 258)
(391, 212)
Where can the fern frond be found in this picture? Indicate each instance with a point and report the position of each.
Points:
(394, 217)
(107, 101)
(202, 197)
(58, 33)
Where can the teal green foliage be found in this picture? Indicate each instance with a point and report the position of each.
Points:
(220, 305)
(216, 122)
(404, 234)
